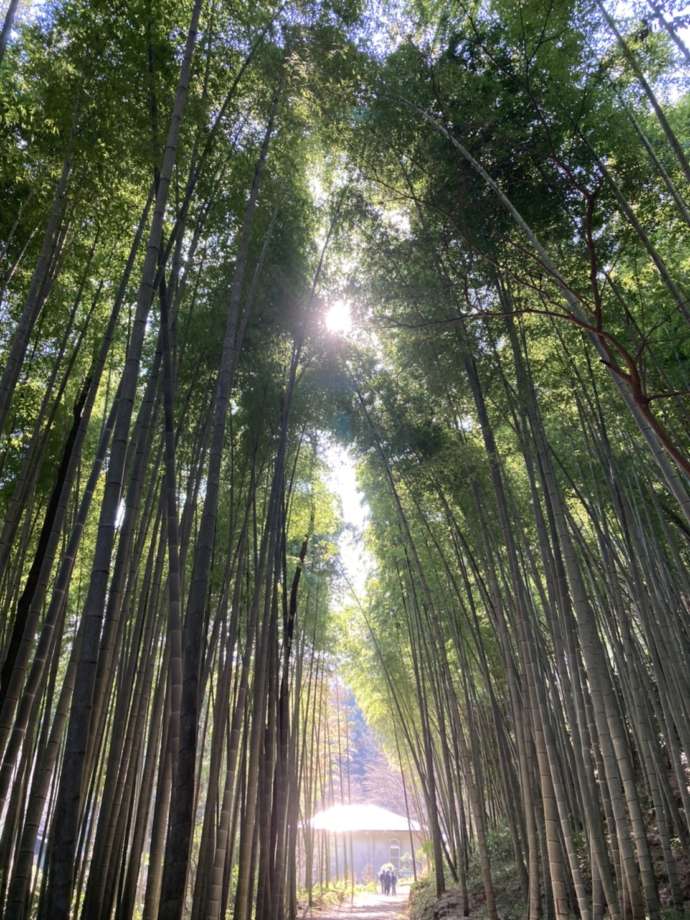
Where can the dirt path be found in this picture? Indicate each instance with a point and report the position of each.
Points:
(367, 907)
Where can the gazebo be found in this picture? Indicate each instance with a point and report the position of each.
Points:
(378, 835)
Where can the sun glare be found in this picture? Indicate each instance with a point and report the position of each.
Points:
(338, 318)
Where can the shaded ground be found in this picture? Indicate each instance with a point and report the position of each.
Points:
(367, 907)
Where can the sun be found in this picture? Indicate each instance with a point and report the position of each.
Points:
(338, 317)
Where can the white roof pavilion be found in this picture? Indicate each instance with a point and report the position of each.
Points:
(347, 819)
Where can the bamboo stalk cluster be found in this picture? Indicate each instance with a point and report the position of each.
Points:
(164, 603)
(167, 560)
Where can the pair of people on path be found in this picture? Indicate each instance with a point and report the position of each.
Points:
(388, 880)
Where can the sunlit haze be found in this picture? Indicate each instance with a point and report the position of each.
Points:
(342, 479)
(338, 318)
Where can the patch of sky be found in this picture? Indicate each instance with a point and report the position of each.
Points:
(341, 479)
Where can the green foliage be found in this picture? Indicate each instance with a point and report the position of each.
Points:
(449, 300)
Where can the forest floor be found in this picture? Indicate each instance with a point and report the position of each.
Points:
(367, 906)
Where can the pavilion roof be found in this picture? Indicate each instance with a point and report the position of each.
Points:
(361, 817)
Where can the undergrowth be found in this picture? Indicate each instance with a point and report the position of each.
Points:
(510, 902)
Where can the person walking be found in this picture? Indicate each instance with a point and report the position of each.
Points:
(394, 881)
(382, 880)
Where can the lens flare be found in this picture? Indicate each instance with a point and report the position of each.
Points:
(338, 318)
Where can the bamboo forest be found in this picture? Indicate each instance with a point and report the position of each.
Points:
(344, 459)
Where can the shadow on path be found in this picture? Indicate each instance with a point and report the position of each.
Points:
(367, 907)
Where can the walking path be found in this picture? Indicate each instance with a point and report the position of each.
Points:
(367, 907)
